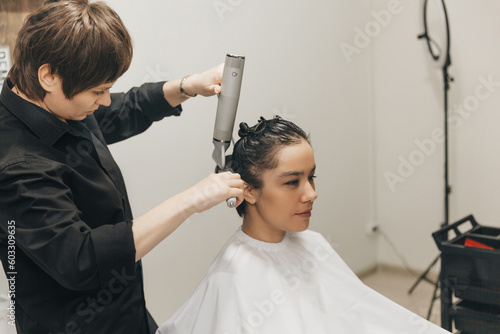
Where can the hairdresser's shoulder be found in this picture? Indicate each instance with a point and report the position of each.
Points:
(18, 144)
(12, 138)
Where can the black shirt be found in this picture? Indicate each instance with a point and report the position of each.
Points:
(66, 241)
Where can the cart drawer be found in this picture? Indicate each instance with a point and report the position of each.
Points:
(476, 318)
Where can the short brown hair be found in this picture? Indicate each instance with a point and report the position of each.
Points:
(85, 43)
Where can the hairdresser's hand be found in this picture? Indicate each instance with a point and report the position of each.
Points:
(152, 227)
(206, 83)
(215, 189)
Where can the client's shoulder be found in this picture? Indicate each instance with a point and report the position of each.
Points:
(230, 256)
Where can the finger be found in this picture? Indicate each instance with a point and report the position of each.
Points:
(236, 183)
(238, 202)
(240, 199)
(234, 176)
(230, 175)
(222, 175)
(227, 180)
(238, 193)
(213, 89)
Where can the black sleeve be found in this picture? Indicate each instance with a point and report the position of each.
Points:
(133, 112)
(50, 231)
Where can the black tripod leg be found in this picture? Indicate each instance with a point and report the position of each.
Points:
(424, 275)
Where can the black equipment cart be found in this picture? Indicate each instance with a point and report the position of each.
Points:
(470, 271)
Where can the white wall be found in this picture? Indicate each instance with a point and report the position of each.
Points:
(294, 68)
(408, 108)
(365, 110)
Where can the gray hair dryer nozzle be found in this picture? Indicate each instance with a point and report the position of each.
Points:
(226, 110)
(227, 107)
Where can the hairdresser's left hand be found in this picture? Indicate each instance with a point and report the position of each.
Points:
(214, 189)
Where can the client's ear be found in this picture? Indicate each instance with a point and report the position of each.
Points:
(249, 193)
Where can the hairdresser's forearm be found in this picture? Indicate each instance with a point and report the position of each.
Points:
(158, 223)
(172, 92)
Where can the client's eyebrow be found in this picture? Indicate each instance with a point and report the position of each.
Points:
(296, 173)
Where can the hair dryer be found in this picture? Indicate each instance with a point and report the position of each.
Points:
(226, 110)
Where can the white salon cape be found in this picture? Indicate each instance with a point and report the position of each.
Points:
(297, 286)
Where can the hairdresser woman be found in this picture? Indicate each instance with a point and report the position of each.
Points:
(65, 217)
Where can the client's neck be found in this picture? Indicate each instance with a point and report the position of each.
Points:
(258, 229)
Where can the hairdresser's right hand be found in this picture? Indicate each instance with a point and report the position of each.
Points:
(215, 189)
(206, 83)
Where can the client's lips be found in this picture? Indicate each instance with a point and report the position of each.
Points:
(305, 214)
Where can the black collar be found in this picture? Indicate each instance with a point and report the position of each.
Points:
(44, 125)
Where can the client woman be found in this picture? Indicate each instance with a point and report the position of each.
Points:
(274, 275)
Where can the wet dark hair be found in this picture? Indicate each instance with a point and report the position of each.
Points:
(257, 148)
(84, 42)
